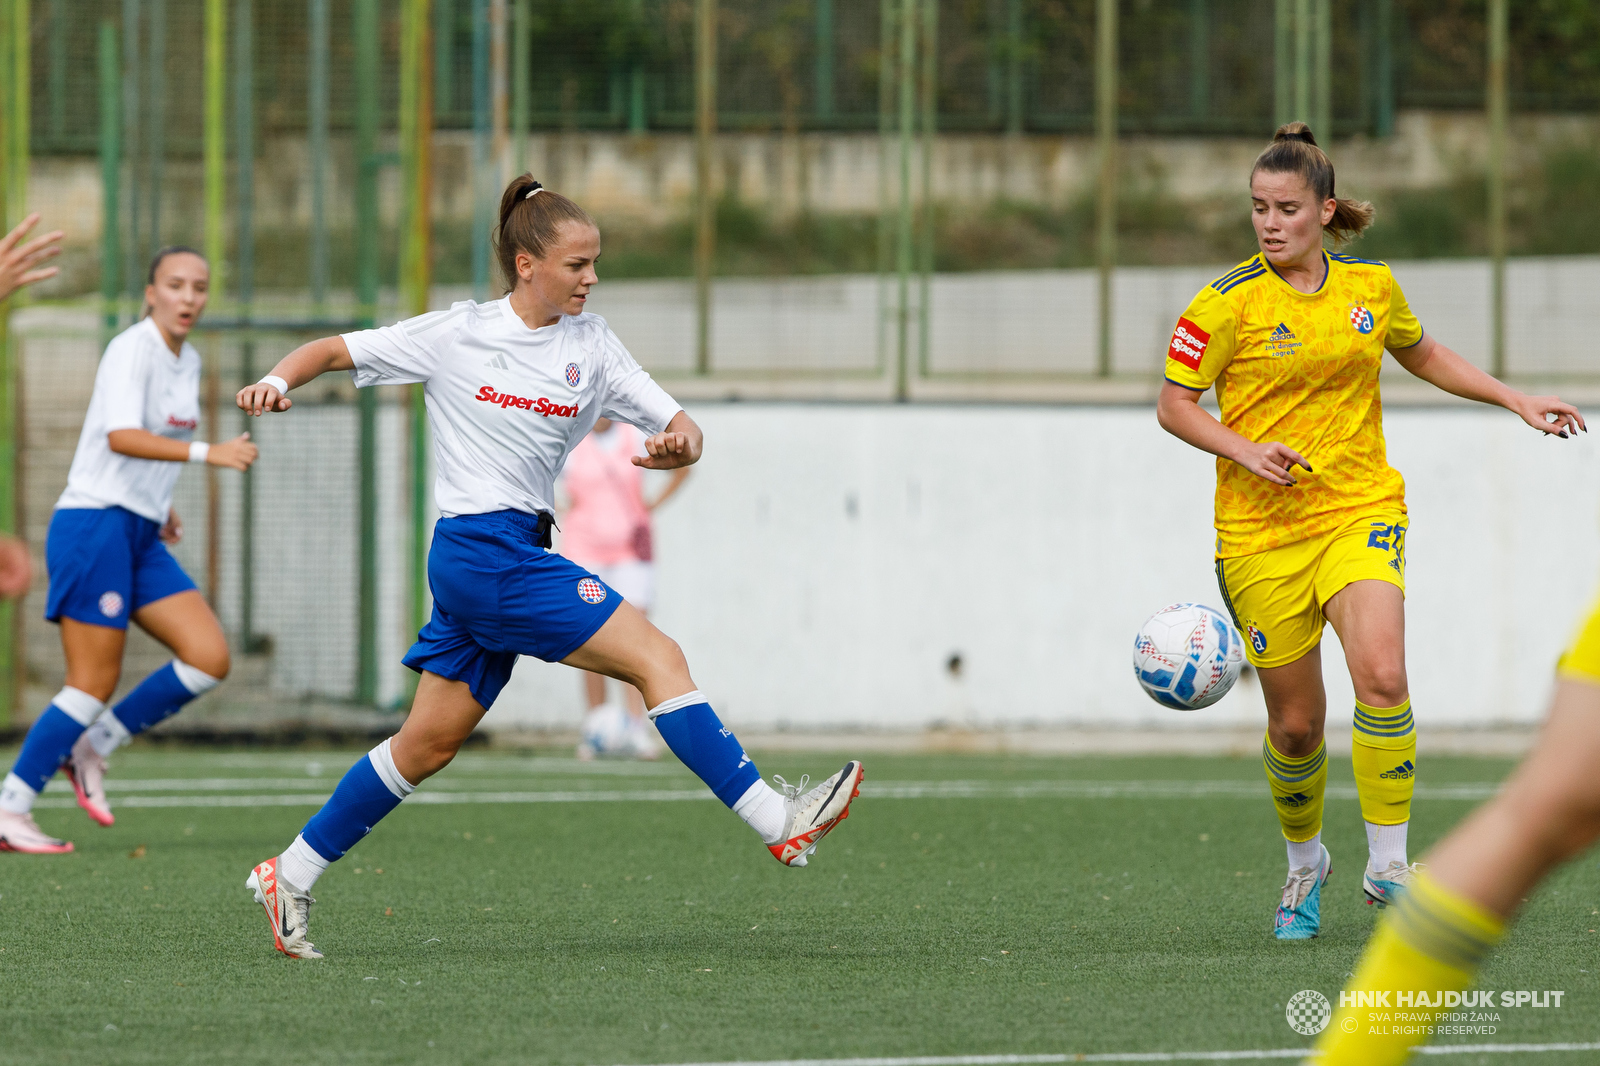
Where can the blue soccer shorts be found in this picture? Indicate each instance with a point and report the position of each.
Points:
(105, 564)
(498, 594)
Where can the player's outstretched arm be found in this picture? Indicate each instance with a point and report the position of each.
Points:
(237, 453)
(678, 445)
(295, 369)
(1179, 412)
(1440, 366)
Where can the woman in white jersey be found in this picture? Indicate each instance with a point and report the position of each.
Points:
(107, 556)
(511, 388)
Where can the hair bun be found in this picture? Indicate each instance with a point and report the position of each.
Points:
(1294, 131)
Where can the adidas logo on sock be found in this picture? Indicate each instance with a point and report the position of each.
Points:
(1296, 799)
(498, 363)
(1404, 772)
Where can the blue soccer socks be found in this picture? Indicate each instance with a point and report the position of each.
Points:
(369, 790)
(157, 697)
(47, 746)
(702, 743)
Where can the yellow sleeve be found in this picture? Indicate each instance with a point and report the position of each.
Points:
(1202, 342)
(1404, 329)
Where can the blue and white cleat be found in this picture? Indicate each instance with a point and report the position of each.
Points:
(1299, 914)
(1387, 887)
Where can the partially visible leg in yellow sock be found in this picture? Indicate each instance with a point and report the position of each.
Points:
(1430, 943)
(1298, 788)
(1384, 756)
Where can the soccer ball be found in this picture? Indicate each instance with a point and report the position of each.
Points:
(1187, 656)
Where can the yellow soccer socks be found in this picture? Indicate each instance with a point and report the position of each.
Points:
(1384, 756)
(1298, 787)
(1423, 953)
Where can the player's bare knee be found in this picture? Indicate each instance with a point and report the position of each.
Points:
(211, 660)
(1296, 737)
(1382, 684)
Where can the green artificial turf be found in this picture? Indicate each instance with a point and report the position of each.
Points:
(660, 931)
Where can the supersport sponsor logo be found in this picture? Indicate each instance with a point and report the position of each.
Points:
(183, 423)
(1188, 344)
(540, 406)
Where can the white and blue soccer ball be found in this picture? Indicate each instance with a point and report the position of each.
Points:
(1187, 656)
(610, 732)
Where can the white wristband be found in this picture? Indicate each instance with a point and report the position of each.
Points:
(276, 382)
(198, 450)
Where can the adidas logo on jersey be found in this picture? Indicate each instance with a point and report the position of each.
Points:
(540, 406)
(1404, 772)
(1296, 799)
(498, 363)
(1282, 341)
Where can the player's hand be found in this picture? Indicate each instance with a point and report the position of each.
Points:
(16, 568)
(172, 531)
(17, 260)
(667, 451)
(1272, 461)
(259, 398)
(237, 453)
(1548, 414)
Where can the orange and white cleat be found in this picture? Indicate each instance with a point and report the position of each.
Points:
(86, 769)
(810, 816)
(288, 910)
(20, 833)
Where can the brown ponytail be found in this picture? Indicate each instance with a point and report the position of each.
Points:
(531, 223)
(1294, 151)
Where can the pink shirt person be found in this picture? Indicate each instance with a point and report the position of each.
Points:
(608, 522)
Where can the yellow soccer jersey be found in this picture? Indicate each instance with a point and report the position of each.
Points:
(1302, 369)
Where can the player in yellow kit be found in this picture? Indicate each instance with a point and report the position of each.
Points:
(1311, 518)
(1455, 912)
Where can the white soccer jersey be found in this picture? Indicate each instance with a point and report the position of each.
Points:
(140, 385)
(507, 403)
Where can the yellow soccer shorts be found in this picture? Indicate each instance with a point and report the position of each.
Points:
(1581, 660)
(1276, 596)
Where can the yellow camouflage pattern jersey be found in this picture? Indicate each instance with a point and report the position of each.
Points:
(1300, 368)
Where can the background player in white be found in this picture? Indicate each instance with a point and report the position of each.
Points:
(511, 388)
(107, 556)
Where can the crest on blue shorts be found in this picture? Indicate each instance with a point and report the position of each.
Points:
(591, 591)
(1361, 319)
(574, 375)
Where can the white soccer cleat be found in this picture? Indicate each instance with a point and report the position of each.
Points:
(20, 833)
(1388, 886)
(86, 769)
(810, 816)
(288, 910)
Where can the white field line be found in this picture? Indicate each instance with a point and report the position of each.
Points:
(1150, 1056)
(881, 790)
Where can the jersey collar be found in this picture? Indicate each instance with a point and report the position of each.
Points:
(1327, 271)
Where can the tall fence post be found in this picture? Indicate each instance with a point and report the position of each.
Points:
(927, 218)
(317, 145)
(214, 151)
(482, 210)
(132, 129)
(15, 63)
(244, 215)
(1106, 128)
(705, 133)
(499, 100)
(521, 90)
(1383, 62)
(1322, 69)
(417, 155)
(1283, 61)
(824, 70)
(886, 66)
(1199, 60)
(906, 77)
(110, 183)
(1498, 108)
(156, 115)
(365, 26)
